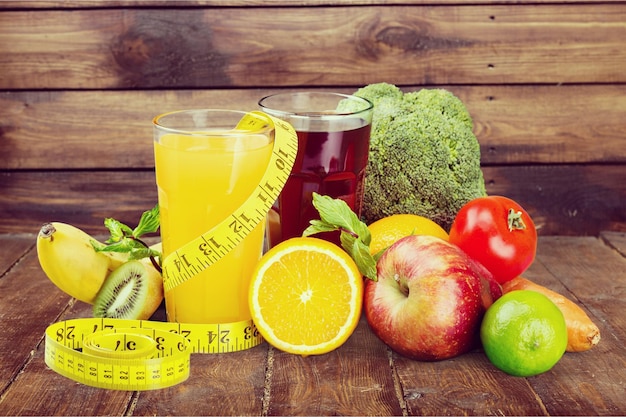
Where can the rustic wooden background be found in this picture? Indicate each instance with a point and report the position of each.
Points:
(81, 80)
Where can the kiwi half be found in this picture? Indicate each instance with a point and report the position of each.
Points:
(132, 291)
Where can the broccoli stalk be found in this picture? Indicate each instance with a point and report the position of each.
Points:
(424, 157)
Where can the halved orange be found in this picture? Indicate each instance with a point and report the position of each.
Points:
(306, 296)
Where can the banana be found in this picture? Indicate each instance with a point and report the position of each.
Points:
(69, 260)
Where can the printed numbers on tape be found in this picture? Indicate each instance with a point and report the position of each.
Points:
(211, 246)
(138, 355)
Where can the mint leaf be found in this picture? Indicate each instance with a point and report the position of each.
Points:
(126, 245)
(124, 239)
(143, 252)
(117, 230)
(318, 226)
(337, 215)
(334, 211)
(149, 222)
(355, 237)
(97, 245)
(360, 253)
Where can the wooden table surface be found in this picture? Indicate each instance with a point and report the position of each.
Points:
(360, 378)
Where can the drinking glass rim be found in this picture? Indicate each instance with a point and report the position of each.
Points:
(219, 131)
(315, 114)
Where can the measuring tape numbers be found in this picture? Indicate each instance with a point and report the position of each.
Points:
(139, 355)
(205, 250)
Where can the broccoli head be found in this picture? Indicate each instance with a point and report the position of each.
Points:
(424, 157)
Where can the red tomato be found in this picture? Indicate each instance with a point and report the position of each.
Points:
(497, 232)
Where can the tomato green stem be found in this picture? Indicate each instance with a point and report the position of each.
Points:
(515, 221)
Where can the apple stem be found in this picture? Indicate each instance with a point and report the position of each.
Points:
(402, 284)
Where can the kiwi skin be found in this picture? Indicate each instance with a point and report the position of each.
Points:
(132, 291)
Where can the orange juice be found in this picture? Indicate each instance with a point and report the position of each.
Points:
(202, 178)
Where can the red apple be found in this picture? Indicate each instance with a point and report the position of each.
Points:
(429, 299)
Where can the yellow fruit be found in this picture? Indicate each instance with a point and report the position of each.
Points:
(69, 260)
(386, 231)
(524, 333)
(306, 296)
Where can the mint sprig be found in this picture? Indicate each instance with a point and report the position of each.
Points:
(355, 237)
(123, 239)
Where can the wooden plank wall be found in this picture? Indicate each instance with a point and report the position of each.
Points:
(80, 81)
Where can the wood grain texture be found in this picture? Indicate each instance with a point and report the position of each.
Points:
(591, 271)
(12, 254)
(362, 377)
(29, 305)
(71, 4)
(80, 81)
(113, 129)
(561, 199)
(468, 382)
(565, 199)
(13, 249)
(222, 384)
(84, 199)
(615, 240)
(333, 383)
(236, 47)
(79, 85)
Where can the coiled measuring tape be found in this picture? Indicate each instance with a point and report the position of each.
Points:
(139, 355)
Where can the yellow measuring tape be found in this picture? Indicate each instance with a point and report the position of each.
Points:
(139, 355)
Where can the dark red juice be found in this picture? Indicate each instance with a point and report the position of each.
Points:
(328, 163)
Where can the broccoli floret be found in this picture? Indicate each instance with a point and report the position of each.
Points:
(424, 157)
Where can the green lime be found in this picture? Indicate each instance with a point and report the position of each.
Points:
(523, 333)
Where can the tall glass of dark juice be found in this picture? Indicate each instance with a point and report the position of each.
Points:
(333, 143)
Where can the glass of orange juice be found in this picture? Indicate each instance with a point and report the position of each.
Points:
(205, 170)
